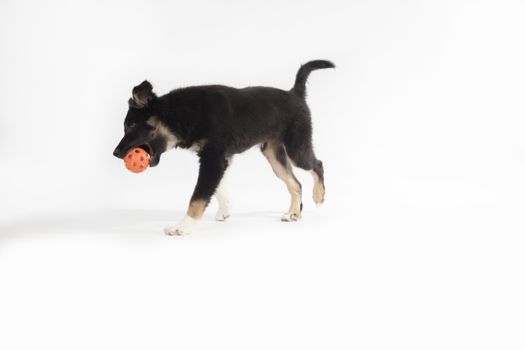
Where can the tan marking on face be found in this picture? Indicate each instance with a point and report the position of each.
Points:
(196, 209)
(285, 173)
(319, 191)
(162, 130)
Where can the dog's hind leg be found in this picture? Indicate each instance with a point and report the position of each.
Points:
(276, 155)
(298, 144)
(212, 168)
(318, 175)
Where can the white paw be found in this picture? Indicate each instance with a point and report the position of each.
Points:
(183, 228)
(222, 216)
(290, 217)
(175, 231)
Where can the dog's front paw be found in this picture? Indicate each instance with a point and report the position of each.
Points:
(183, 228)
(222, 215)
(290, 217)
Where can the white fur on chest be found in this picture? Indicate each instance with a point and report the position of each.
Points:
(197, 145)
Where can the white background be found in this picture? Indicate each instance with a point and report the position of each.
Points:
(421, 129)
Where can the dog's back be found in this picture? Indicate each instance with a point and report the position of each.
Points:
(238, 119)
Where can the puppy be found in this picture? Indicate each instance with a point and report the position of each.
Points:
(218, 122)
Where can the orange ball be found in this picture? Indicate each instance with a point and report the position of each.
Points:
(136, 160)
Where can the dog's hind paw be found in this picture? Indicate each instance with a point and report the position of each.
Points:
(318, 194)
(183, 228)
(290, 217)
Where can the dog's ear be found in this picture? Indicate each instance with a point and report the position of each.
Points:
(142, 94)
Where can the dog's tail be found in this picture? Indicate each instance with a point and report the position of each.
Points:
(303, 73)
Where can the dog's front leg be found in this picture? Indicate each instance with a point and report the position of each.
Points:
(221, 194)
(213, 164)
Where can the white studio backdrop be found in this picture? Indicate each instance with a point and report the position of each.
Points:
(420, 128)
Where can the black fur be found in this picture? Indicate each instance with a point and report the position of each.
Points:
(230, 121)
(213, 164)
(304, 72)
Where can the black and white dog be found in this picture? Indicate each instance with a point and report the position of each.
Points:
(218, 122)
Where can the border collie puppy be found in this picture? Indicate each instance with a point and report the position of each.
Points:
(218, 122)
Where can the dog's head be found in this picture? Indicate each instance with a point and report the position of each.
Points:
(142, 126)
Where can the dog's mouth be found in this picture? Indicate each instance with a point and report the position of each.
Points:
(154, 156)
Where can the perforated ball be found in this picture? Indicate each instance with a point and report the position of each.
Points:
(136, 160)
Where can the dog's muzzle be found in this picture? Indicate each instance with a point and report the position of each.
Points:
(117, 153)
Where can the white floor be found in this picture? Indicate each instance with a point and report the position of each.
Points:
(111, 279)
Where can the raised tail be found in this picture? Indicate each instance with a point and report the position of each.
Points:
(303, 73)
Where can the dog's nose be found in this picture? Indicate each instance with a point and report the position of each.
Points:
(116, 153)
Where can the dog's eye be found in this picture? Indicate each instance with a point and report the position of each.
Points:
(130, 126)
